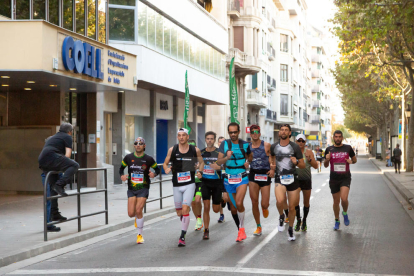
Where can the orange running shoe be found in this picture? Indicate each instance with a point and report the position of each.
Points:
(239, 239)
(265, 213)
(242, 233)
(258, 231)
(140, 239)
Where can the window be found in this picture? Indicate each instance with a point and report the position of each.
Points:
(91, 32)
(80, 16)
(22, 9)
(167, 37)
(54, 12)
(284, 73)
(174, 41)
(284, 43)
(5, 8)
(159, 39)
(284, 105)
(254, 81)
(121, 20)
(142, 24)
(101, 21)
(68, 14)
(39, 9)
(151, 28)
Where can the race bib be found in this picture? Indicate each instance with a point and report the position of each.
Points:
(260, 177)
(339, 167)
(183, 177)
(287, 179)
(208, 170)
(137, 178)
(235, 178)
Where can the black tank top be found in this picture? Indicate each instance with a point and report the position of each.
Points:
(183, 166)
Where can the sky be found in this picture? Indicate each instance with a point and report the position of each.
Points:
(319, 12)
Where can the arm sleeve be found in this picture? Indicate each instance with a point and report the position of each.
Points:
(351, 153)
(68, 141)
(272, 149)
(155, 167)
(221, 148)
(298, 152)
(122, 168)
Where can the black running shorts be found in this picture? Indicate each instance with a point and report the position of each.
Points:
(336, 184)
(212, 189)
(138, 193)
(305, 185)
(257, 176)
(291, 187)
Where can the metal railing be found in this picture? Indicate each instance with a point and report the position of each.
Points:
(77, 194)
(161, 197)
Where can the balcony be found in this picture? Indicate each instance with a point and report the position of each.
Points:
(316, 58)
(293, 7)
(313, 127)
(233, 9)
(244, 63)
(271, 116)
(272, 25)
(271, 52)
(280, 4)
(256, 99)
(316, 88)
(316, 73)
(316, 103)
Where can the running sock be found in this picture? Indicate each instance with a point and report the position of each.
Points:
(282, 217)
(344, 213)
(297, 209)
(140, 225)
(337, 220)
(287, 212)
(236, 220)
(241, 219)
(259, 225)
(305, 212)
(290, 229)
(199, 216)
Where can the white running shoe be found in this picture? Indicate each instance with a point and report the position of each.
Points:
(291, 237)
(281, 226)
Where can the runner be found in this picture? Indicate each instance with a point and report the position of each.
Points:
(340, 156)
(319, 158)
(196, 203)
(212, 182)
(236, 154)
(138, 177)
(183, 159)
(286, 155)
(305, 182)
(224, 197)
(260, 176)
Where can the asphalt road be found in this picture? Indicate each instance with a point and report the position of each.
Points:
(379, 240)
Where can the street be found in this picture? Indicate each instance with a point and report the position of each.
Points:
(379, 240)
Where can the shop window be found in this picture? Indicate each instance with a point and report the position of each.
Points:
(102, 21)
(68, 14)
(22, 9)
(5, 8)
(91, 19)
(80, 16)
(142, 24)
(54, 12)
(39, 9)
(121, 24)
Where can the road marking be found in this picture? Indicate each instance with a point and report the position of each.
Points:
(324, 184)
(311, 198)
(317, 191)
(187, 269)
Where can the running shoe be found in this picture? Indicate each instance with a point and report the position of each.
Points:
(140, 239)
(287, 219)
(281, 226)
(221, 219)
(199, 224)
(291, 236)
(243, 233)
(258, 231)
(337, 223)
(181, 242)
(238, 239)
(265, 213)
(298, 223)
(206, 235)
(304, 226)
(346, 219)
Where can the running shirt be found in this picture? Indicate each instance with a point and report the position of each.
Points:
(339, 166)
(235, 166)
(138, 170)
(210, 157)
(285, 169)
(260, 159)
(183, 166)
(304, 174)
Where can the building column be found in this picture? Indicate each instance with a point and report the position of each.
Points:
(150, 125)
(173, 124)
(118, 136)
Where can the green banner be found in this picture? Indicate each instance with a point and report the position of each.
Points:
(187, 104)
(234, 99)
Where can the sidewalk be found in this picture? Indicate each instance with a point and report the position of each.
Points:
(21, 220)
(403, 182)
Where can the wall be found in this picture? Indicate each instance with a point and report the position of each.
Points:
(137, 103)
(164, 114)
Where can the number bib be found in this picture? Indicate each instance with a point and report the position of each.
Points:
(235, 178)
(287, 179)
(339, 167)
(137, 178)
(260, 177)
(183, 177)
(208, 170)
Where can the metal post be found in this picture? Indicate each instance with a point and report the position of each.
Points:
(106, 195)
(45, 207)
(79, 204)
(161, 190)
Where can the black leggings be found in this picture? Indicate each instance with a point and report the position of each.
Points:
(397, 162)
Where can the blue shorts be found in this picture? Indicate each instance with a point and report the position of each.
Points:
(232, 188)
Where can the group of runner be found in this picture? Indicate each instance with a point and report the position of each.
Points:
(221, 175)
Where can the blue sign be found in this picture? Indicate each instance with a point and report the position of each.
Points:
(82, 58)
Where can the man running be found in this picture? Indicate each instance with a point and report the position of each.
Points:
(196, 204)
(236, 154)
(305, 182)
(211, 188)
(340, 156)
(286, 155)
(138, 177)
(183, 158)
(225, 196)
(260, 176)
(319, 158)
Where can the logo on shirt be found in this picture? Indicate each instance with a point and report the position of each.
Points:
(144, 167)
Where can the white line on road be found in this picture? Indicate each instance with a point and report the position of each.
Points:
(311, 198)
(186, 269)
(323, 185)
(317, 191)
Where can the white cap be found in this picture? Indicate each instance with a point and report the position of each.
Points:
(301, 136)
(181, 130)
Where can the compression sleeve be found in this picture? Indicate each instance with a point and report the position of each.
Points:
(122, 168)
(156, 168)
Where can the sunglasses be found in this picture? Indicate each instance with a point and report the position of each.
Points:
(256, 132)
(139, 143)
(301, 141)
(233, 132)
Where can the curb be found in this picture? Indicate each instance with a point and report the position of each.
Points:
(75, 238)
(406, 194)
